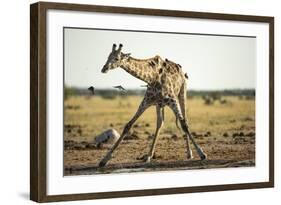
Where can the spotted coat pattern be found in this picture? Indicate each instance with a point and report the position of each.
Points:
(166, 87)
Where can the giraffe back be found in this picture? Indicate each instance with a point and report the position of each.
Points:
(172, 77)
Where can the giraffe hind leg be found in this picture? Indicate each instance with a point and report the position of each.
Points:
(189, 154)
(174, 105)
(199, 150)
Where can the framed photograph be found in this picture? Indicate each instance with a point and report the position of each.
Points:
(135, 102)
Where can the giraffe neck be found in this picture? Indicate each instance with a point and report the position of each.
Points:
(140, 69)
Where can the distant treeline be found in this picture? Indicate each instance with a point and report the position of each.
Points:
(112, 93)
(230, 92)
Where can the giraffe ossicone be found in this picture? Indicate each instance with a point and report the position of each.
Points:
(166, 87)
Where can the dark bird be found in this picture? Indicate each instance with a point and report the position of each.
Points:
(92, 89)
(119, 87)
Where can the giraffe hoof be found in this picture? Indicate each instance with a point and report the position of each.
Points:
(203, 156)
(102, 163)
(147, 160)
(190, 156)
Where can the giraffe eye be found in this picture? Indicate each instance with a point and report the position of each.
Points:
(116, 59)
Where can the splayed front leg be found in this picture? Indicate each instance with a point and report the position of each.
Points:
(159, 112)
(143, 106)
(105, 160)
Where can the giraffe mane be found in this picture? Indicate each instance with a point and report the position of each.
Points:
(145, 59)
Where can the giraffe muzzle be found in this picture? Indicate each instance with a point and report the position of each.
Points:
(104, 69)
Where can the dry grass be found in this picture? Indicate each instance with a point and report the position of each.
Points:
(225, 131)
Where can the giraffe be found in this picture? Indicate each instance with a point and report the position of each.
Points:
(166, 87)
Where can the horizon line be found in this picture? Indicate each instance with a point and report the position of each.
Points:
(140, 88)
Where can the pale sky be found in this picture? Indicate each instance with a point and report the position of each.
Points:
(211, 62)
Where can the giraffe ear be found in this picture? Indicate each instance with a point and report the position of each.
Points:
(126, 55)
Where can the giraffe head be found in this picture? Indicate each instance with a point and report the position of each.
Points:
(115, 59)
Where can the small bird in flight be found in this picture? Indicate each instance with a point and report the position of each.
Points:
(92, 89)
(119, 87)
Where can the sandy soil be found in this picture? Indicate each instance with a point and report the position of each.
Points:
(228, 140)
